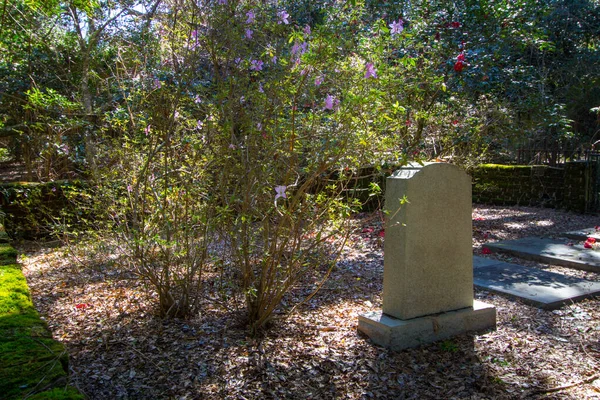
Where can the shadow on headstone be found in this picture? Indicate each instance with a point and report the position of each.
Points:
(428, 260)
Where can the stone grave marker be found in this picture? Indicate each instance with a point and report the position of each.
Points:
(428, 260)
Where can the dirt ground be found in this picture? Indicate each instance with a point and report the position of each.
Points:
(120, 350)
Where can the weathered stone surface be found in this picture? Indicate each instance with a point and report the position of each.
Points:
(583, 234)
(428, 250)
(398, 334)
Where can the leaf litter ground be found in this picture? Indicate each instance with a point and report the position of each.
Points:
(120, 350)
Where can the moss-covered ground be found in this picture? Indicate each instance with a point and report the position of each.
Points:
(32, 364)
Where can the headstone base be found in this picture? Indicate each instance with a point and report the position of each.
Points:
(397, 334)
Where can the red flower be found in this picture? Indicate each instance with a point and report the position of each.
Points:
(82, 306)
(591, 240)
(461, 57)
(382, 233)
(459, 66)
(455, 24)
(597, 228)
(485, 250)
(587, 245)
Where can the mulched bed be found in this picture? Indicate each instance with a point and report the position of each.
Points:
(120, 350)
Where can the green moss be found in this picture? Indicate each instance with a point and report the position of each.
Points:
(68, 393)
(8, 255)
(14, 293)
(30, 360)
(504, 167)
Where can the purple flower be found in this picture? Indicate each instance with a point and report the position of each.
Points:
(129, 188)
(274, 60)
(195, 34)
(199, 124)
(259, 126)
(397, 27)
(157, 84)
(319, 80)
(280, 192)
(197, 99)
(295, 49)
(260, 87)
(232, 146)
(283, 17)
(249, 33)
(256, 65)
(370, 71)
(307, 30)
(251, 16)
(329, 100)
(222, 2)
(147, 130)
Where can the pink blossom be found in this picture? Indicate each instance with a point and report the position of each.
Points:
(319, 80)
(329, 102)
(370, 71)
(280, 192)
(147, 130)
(256, 65)
(397, 27)
(251, 16)
(283, 17)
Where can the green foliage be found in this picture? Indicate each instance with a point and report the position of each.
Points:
(36, 210)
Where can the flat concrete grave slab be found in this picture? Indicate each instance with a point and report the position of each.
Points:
(547, 290)
(552, 251)
(583, 234)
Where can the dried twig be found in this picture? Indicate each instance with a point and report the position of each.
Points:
(559, 388)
